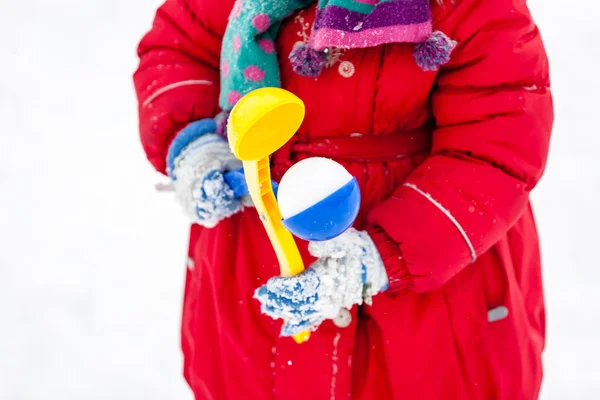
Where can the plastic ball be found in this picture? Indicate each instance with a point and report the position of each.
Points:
(318, 199)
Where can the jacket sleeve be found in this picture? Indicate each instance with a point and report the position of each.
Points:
(177, 80)
(493, 111)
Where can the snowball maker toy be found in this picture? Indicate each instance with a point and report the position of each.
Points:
(319, 198)
(260, 123)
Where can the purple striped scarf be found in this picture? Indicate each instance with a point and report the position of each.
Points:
(368, 23)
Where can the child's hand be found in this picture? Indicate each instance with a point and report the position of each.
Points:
(197, 159)
(349, 271)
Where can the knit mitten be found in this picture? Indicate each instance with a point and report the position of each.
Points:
(196, 162)
(349, 271)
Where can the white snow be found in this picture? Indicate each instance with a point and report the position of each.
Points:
(308, 182)
(92, 259)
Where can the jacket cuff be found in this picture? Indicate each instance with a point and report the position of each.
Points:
(186, 136)
(391, 255)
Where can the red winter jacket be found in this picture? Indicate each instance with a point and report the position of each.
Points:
(445, 162)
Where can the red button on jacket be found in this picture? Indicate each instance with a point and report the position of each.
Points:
(445, 162)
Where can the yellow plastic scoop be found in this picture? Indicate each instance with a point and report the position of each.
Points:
(260, 124)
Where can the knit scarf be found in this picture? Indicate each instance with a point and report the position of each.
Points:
(249, 62)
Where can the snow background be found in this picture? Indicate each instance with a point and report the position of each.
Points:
(92, 259)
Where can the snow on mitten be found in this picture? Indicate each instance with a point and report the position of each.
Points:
(196, 161)
(349, 271)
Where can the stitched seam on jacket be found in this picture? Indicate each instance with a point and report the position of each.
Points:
(172, 86)
(449, 216)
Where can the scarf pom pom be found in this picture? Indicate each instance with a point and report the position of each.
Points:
(307, 61)
(434, 52)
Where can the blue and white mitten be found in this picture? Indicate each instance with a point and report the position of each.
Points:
(349, 271)
(196, 162)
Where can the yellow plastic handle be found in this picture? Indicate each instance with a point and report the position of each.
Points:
(259, 124)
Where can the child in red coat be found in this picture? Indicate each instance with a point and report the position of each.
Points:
(442, 112)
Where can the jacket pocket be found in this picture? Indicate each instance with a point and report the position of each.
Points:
(465, 297)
